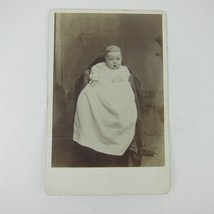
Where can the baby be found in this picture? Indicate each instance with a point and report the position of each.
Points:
(111, 70)
(106, 112)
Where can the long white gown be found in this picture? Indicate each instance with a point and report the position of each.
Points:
(106, 113)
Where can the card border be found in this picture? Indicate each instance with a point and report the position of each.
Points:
(106, 181)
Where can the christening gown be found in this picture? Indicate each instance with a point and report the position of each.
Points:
(106, 113)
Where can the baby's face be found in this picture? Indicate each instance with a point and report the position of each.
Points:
(113, 60)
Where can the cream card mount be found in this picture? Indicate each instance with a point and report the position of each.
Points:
(107, 103)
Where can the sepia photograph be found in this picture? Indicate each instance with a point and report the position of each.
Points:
(107, 100)
(107, 107)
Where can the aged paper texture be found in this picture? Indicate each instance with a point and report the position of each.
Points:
(107, 103)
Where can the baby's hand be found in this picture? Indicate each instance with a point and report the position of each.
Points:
(93, 83)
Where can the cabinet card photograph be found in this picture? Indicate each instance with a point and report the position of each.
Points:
(107, 103)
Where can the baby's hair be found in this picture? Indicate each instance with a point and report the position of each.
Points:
(112, 48)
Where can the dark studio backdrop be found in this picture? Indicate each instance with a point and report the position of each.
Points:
(79, 39)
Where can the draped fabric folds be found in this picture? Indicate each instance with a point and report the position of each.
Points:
(135, 115)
